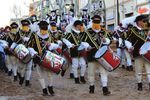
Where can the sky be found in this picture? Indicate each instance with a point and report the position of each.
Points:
(6, 9)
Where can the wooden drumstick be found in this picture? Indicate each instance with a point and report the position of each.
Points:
(143, 73)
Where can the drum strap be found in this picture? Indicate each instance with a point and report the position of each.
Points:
(75, 40)
(38, 44)
(92, 40)
(141, 37)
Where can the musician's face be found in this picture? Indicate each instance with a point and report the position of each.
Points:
(142, 23)
(78, 27)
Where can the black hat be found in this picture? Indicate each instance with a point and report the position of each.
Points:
(71, 10)
(14, 25)
(53, 23)
(77, 22)
(43, 25)
(140, 17)
(53, 11)
(25, 22)
(96, 16)
(84, 9)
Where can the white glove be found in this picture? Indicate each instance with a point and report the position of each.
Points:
(68, 43)
(53, 46)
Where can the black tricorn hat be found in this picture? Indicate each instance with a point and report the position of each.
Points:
(25, 22)
(43, 25)
(71, 10)
(53, 11)
(77, 22)
(139, 18)
(84, 9)
(14, 25)
(96, 16)
(53, 23)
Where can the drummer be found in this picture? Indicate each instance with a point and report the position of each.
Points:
(39, 42)
(74, 37)
(11, 59)
(22, 37)
(96, 37)
(139, 61)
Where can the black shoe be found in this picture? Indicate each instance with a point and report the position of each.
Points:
(63, 72)
(71, 75)
(131, 68)
(9, 73)
(82, 79)
(77, 80)
(92, 88)
(128, 68)
(50, 89)
(140, 87)
(123, 66)
(15, 78)
(106, 91)
(45, 93)
(149, 86)
(21, 80)
(27, 83)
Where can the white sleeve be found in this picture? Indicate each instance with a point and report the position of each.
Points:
(53, 46)
(107, 41)
(67, 42)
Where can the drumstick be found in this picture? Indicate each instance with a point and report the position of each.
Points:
(143, 73)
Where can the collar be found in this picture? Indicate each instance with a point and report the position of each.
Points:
(42, 36)
(74, 30)
(137, 27)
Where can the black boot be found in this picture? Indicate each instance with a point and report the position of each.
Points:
(149, 86)
(77, 80)
(50, 89)
(71, 75)
(123, 66)
(131, 68)
(82, 79)
(63, 72)
(128, 68)
(140, 87)
(18, 74)
(45, 93)
(92, 88)
(106, 91)
(9, 73)
(15, 78)
(27, 83)
(21, 80)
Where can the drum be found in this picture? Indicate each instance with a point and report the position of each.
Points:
(67, 56)
(13, 46)
(52, 62)
(145, 51)
(107, 58)
(83, 49)
(22, 53)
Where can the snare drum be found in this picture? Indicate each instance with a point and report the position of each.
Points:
(22, 53)
(52, 62)
(67, 56)
(145, 51)
(107, 58)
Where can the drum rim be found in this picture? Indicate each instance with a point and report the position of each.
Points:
(103, 53)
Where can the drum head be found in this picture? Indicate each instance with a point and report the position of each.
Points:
(101, 52)
(145, 48)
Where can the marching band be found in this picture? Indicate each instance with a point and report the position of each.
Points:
(51, 45)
